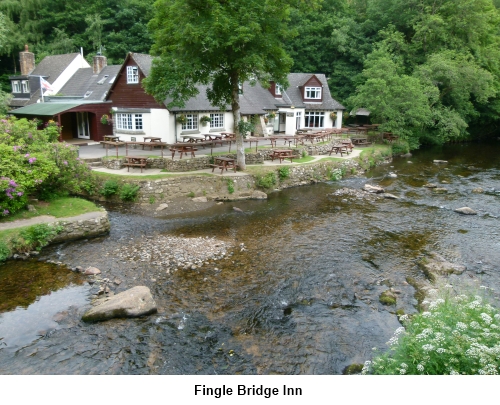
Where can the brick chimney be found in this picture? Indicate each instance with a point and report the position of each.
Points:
(27, 61)
(100, 62)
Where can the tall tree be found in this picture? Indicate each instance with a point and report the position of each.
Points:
(220, 44)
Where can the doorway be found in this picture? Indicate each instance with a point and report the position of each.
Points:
(82, 121)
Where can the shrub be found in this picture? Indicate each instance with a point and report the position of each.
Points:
(266, 181)
(109, 188)
(459, 334)
(190, 195)
(129, 192)
(230, 186)
(400, 147)
(4, 251)
(336, 174)
(284, 172)
(152, 199)
(36, 237)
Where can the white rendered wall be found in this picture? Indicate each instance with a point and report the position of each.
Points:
(77, 63)
(338, 122)
(159, 125)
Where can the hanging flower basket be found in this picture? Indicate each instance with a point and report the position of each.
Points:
(106, 120)
(271, 115)
(205, 119)
(333, 116)
(182, 119)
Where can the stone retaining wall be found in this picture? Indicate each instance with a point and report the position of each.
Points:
(80, 229)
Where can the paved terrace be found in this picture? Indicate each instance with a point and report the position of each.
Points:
(96, 150)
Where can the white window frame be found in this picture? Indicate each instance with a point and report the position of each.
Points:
(192, 122)
(314, 119)
(25, 85)
(16, 86)
(313, 93)
(217, 120)
(129, 122)
(277, 90)
(132, 74)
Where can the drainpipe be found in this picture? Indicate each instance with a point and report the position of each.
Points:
(175, 126)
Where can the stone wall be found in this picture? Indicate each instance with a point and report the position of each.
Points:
(85, 228)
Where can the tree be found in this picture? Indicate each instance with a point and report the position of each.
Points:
(220, 44)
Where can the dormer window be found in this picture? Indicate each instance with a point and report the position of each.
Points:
(26, 86)
(16, 86)
(132, 74)
(277, 90)
(313, 92)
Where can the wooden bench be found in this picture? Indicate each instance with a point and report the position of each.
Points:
(281, 155)
(183, 150)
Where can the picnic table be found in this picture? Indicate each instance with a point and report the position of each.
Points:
(193, 138)
(281, 154)
(223, 163)
(274, 140)
(152, 141)
(135, 161)
(182, 148)
(113, 138)
(389, 136)
(360, 141)
(249, 139)
(228, 135)
(339, 148)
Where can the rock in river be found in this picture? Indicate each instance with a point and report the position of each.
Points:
(132, 303)
(92, 271)
(436, 265)
(466, 211)
(373, 189)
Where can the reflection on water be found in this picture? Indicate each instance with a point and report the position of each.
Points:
(302, 296)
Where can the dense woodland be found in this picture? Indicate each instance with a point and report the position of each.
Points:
(427, 69)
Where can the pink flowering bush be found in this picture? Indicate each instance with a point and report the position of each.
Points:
(33, 163)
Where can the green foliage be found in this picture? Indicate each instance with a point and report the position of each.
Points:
(152, 199)
(190, 194)
(284, 172)
(109, 188)
(4, 251)
(400, 147)
(244, 127)
(36, 237)
(266, 181)
(458, 334)
(336, 174)
(230, 186)
(129, 192)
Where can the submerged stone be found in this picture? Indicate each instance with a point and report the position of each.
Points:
(466, 211)
(373, 189)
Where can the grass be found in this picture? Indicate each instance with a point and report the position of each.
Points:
(330, 159)
(303, 159)
(59, 208)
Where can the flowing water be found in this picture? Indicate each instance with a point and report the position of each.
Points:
(301, 297)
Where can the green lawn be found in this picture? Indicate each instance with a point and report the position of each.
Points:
(59, 208)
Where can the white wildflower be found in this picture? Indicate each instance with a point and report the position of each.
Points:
(453, 372)
(420, 367)
(475, 325)
(440, 350)
(448, 286)
(428, 347)
(426, 314)
(493, 326)
(399, 331)
(402, 371)
(404, 365)
(496, 316)
(404, 317)
(461, 326)
(392, 341)
(486, 318)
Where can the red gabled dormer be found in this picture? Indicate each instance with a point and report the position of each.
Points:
(312, 90)
(275, 90)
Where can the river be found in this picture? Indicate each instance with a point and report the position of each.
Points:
(301, 297)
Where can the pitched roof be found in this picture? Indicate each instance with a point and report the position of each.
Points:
(45, 109)
(293, 92)
(53, 66)
(144, 62)
(84, 82)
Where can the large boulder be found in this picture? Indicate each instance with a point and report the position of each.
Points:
(132, 303)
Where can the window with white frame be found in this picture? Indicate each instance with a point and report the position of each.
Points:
(313, 92)
(277, 90)
(16, 86)
(132, 74)
(217, 120)
(314, 119)
(192, 122)
(26, 86)
(129, 122)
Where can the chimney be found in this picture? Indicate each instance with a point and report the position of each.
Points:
(27, 61)
(100, 62)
